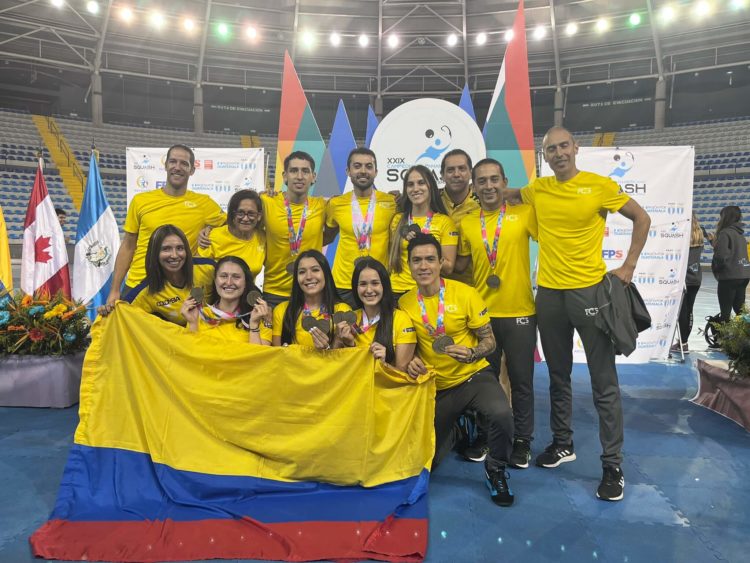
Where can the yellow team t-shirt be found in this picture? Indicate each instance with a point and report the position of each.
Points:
(150, 210)
(168, 302)
(571, 228)
(301, 336)
(403, 330)
(224, 243)
(514, 297)
(276, 280)
(228, 331)
(442, 228)
(457, 212)
(339, 212)
(464, 312)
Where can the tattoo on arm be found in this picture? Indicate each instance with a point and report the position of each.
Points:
(486, 341)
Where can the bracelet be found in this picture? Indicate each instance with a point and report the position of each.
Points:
(254, 329)
(473, 357)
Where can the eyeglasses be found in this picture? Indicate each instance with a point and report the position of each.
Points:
(252, 215)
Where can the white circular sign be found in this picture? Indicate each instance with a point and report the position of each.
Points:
(421, 132)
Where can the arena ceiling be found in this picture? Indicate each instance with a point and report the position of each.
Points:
(36, 35)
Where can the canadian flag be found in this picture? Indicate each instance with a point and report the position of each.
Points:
(44, 261)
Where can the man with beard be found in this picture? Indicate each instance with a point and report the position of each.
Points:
(362, 219)
(173, 204)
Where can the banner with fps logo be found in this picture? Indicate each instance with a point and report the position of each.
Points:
(219, 172)
(421, 132)
(660, 179)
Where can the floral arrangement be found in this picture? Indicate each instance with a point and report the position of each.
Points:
(734, 339)
(41, 327)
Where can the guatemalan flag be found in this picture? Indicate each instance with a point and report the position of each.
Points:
(44, 259)
(97, 243)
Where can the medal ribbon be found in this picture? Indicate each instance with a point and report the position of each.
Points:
(295, 238)
(439, 329)
(213, 316)
(367, 323)
(426, 228)
(491, 252)
(308, 312)
(363, 227)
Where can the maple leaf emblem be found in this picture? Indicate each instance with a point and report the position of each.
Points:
(40, 250)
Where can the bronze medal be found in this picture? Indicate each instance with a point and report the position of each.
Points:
(290, 268)
(441, 342)
(252, 297)
(197, 294)
(493, 281)
(406, 229)
(339, 317)
(308, 322)
(348, 317)
(324, 325)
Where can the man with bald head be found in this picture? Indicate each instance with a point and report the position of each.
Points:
(571, 208)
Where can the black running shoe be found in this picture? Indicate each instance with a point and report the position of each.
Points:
(476, 452)
(497, 483)
(521, 454)
(612, 486)
(555, 454)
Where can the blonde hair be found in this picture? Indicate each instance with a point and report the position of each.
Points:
(696, 233)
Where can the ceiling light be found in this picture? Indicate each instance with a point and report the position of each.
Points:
(452, 40)
(157, 19)
(335, 39)
(509, 36)
(481, 38)
(58, 3)
(738, 4)
(126, 14)
(571, 29)
(634, 19)
(602, 25)
(393, 41)
(702, 9)
(308, 38)
(92, 7)
(222, 29)
(539, 32)
(251, 33)
(667, 13)
(363, 40)
(188, 24)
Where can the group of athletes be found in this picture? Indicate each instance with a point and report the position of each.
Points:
(427, 279)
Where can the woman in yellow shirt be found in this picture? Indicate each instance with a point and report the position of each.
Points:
(226, 313)
(385, 330)
(422, 210)
(307, 317)
(243, 234)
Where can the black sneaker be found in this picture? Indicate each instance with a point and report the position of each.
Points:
(555, 454)
(612, 485)
(521, 454)
(476, 452)
(497, 483)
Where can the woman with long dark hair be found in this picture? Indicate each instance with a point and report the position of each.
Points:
(385, 330)
(307, 318)
(227, 312)
(423, 210)
(730, 262)
(171, 273)
(243, 235)
(693, 279)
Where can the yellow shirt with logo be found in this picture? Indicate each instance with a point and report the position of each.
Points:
(442, 228)
(275, 279)
(150, 210)
(228, 331)
(514, 297)
(301, 336)
(403, 330)
(571, 228)
(168, 302)
(339, 212)
(457, 212)
(224, 243)
(464, 312)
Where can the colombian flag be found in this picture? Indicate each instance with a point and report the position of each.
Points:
(192, 448)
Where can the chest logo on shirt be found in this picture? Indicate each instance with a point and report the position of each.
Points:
(167, 302)
(511, 218)
(190, 204)
(451, 308)
(584, 191)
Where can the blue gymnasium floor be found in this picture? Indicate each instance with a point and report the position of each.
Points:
(686, 495)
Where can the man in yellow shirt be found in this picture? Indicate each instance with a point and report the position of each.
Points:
(458, 197)
(173, 204)
(571, 208)
(454, 337)
(362, 219)
(495, 240)
(294, 222)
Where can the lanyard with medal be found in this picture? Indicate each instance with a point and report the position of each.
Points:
(295, 237)
(412, 227)
(493, 281)
(362, 227)
(309, 321)
(441, 340)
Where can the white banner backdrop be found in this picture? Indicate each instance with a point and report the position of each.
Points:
(660, 179)
(219, 172)
(421, 132)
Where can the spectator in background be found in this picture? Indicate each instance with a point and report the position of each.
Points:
(730, 262)
(693, 278)
(62, 216)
